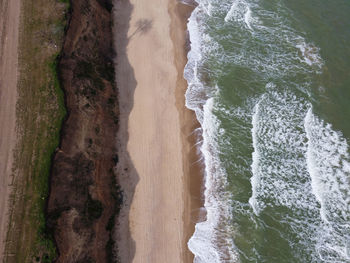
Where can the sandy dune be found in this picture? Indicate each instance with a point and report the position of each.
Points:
(9, 23)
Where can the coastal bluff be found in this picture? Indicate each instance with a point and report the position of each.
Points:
(84, 195)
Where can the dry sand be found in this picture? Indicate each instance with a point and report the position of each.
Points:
(154, 138)
(9, 23)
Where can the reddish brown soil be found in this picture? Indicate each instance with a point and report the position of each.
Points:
(84, 196)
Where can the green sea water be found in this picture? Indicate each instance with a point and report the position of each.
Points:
(269, 81)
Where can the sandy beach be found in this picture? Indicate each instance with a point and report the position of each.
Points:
(9, 23)
(155, 143)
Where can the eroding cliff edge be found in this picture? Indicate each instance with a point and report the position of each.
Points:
(84, 196)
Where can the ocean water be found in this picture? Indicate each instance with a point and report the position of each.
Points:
(269, 81)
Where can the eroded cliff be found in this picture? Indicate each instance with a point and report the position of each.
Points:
(84, 196)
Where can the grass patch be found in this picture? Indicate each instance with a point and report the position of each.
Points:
(40, 112)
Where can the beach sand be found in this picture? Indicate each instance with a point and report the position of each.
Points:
(157, 159)
(9, 23)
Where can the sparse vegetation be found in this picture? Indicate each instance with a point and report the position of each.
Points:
(94, 208)
(40, 112)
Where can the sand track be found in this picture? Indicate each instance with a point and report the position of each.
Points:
(9, 27)
(154, 145)
(155, 223)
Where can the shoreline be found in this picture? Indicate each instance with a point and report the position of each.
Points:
(158, 169)
(193, 196)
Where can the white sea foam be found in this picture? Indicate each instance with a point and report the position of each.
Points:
(278, 143)
(248, 18)
(328, 162)
(194, 100)
(300, 163)
(255, 179)
(240, 12)
(205, 243)
(282, 49)
(329, 167)
(312, 167)
(310, 54)
(202, 243)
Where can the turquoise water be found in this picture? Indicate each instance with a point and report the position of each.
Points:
(270, 83)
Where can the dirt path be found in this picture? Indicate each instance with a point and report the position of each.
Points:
(9, 24)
